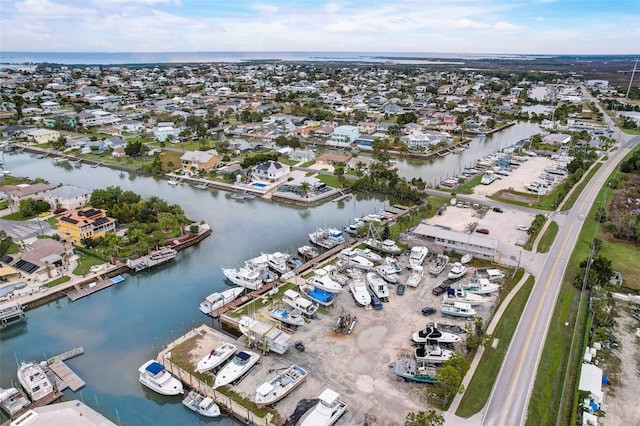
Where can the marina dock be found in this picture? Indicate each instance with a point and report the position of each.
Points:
(73, 381)
(82, 291)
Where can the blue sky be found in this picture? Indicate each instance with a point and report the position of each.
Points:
(463, 26)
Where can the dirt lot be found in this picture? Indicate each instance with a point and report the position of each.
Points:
(355, 365)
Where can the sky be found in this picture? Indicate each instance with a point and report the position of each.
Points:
(430, 26)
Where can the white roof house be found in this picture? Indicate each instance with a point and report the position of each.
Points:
(438, 239)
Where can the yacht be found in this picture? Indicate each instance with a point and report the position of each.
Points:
(457, 309)
(154, 376)
(415, 278)
(418, 255)
(290, 317)
(319, 296)
(438, 264)
(308, 252)
(388, 272)
(236, 368)
(488, 178)
(34, 381)
(216, 357)
(327, 411)
(480, 286)
(457, 271)
(244, 276)
(283, 384)
(378, 286)
(359, 291)
(278, 262)
(265, 335)
(218, 300)
(323, 281)
(432, 354)
(387, 246)
(432, 334)
(13, 400)
(368, 254)
(414, 371)
(354, 227)
(203, 405)
(355, 260)
(460, 295)
(296, 301)
(327, 237)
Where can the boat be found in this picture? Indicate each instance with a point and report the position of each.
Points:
(278, 262)
(431, 334)
(359, 291)
(533, 187)
(457, 309)
(392, 261)
(355, 227)
(283, 384)
(327, 237)
(322, 281)
(239, 195)
(481, 134)
(34, 381)
(216, 357)
(460, 295)
(387, 246)
(154, 376)
(236, 368)
(265, 335)
(466, 258)
(174, 182)
(308, 252)
(480, 286)
(201, 404)
(457, 271)
(432, 354)
(488, 178)
(202, 186)
(388, 272)
(491, 274)
(368, 254)
(415, 278)
(244, 277)
(378, 286)
(13, 400)
(438, 264)
(290, 317)
(319, 296)
(327, 411)
(164, 254)
(414, 371)
(296, 301)
(355, 260)
(418, 255)
(218, 300)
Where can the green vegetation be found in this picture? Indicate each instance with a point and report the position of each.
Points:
(256, 304)
(467, 188)
(534, 230)
(58, 281)
(330, 180)
(580, 187)
(4, 204)
(86, 260)
(548, 237)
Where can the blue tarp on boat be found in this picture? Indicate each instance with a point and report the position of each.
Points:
(320, 295)
(155, 367)
(243, 356)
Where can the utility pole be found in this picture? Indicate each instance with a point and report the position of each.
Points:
(631, 81)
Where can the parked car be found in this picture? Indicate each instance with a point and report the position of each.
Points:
(522, 228)
(498, 210)
(60, 210)
(428, 310)
(375, 302)
(482, 231)
(400, 289)
(440, 289)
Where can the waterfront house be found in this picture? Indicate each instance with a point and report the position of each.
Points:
(41, 260)
(17, 193)
(67, 197)
(88, 222)
(41, 136)
(271, 171)
(556, 139)
(192, 161)
(343, 136)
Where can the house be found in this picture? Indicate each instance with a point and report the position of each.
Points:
(41, 136)
(366, 127)
(343, 136)
(393, 109)
(271, 171)
(420, 140)
(42, 259)
(88, 222)
(133, 126)
(164, 133)
(96, 117)
(67, 196)
(16, 131)
(17, 193)
(200, 160)
(50, 106)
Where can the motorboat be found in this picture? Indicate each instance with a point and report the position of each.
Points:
(201, 404)
(417, 256)
(488, 178)
(236, 368)
(387, 246)
(326, 412)
(388, 272)
(290, 317)
(34, 380)
(431, 334)
(480, 286)
(490, 274)
(265, 335)
(319, 296)
(322, 280)
(466, 258)
(327, 237)
(354, 260)
(457, 309)
(13, 400)
(154, 376)
(278, 262)
(414, 371)
(218, 300)
(216, 357)
(297, 301)
(378, 286)
(359, 291)
(308, 252)
(415, 278)
(244, 276)
(457, 271)
(392, 261)
(163, 254)
(460, 295)
(368, 254)
(283, 384)
(355, 227)
(438, 264)
(433, 354)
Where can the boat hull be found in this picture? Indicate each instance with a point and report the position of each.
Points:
(216, 357)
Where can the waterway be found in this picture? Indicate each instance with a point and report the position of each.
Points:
(123, 326)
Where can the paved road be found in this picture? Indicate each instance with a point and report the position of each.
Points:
(510, 395)
(22, 230)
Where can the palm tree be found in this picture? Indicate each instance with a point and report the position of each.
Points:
(306, 188)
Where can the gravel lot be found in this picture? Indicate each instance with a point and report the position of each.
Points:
(527, 172)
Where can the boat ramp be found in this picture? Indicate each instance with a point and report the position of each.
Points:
(82, 291)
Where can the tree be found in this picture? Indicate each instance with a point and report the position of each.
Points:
(29, 207)
(5, 242)
(449, 383)
(305, 187)
(386, 233)
(422, 418)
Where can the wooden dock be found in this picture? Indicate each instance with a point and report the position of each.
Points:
(48, 399)
(82, 291)
(66, 374)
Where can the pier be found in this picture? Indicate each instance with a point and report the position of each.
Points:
(72, 380)
(11, 312)
(82, 291)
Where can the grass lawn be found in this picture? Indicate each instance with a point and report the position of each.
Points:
(58, 281)
(547, 239)
(477, 394)
(580, 187)
(467, 188)
(16, 216)
(328, 180)
(13, 249)
(85, 262)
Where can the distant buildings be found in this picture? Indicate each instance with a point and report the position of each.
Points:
(17, 193)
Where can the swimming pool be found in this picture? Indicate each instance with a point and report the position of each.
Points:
(259, 185)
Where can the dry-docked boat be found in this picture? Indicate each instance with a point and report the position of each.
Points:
(283, 384)
(216, 357)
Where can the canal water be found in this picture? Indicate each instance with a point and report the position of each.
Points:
(123, 326)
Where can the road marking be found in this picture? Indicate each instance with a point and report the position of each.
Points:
(530, 333)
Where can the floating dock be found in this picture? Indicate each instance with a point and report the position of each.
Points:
(73, 381)
(91, 288)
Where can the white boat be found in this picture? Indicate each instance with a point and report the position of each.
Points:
(34, 381)
(480, 286)
(218, 300)
(154, 376)
(415, 278)
(460, 295)
(283, 384)
(415, 371)
(386, 246)
(308, 252)
(13, 400)
(378, 286)
(236, 368)
(359, 291)
(457, 271)
(418, 255)
(392, 261)
(457, 309)
(163, 254)
(296, 301)
(203, 405)
(432, 334)
(433, 354)
(323, 281)
(278, 262)
(328, 410)
(388, 272)
(466, 258)
(290, 317)
(265, 335)
(355, 260)
(488, 178)
(327, 237)
(216, 357)
(354, 227)
(244, 276)
(368, 254)
(438, 264)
